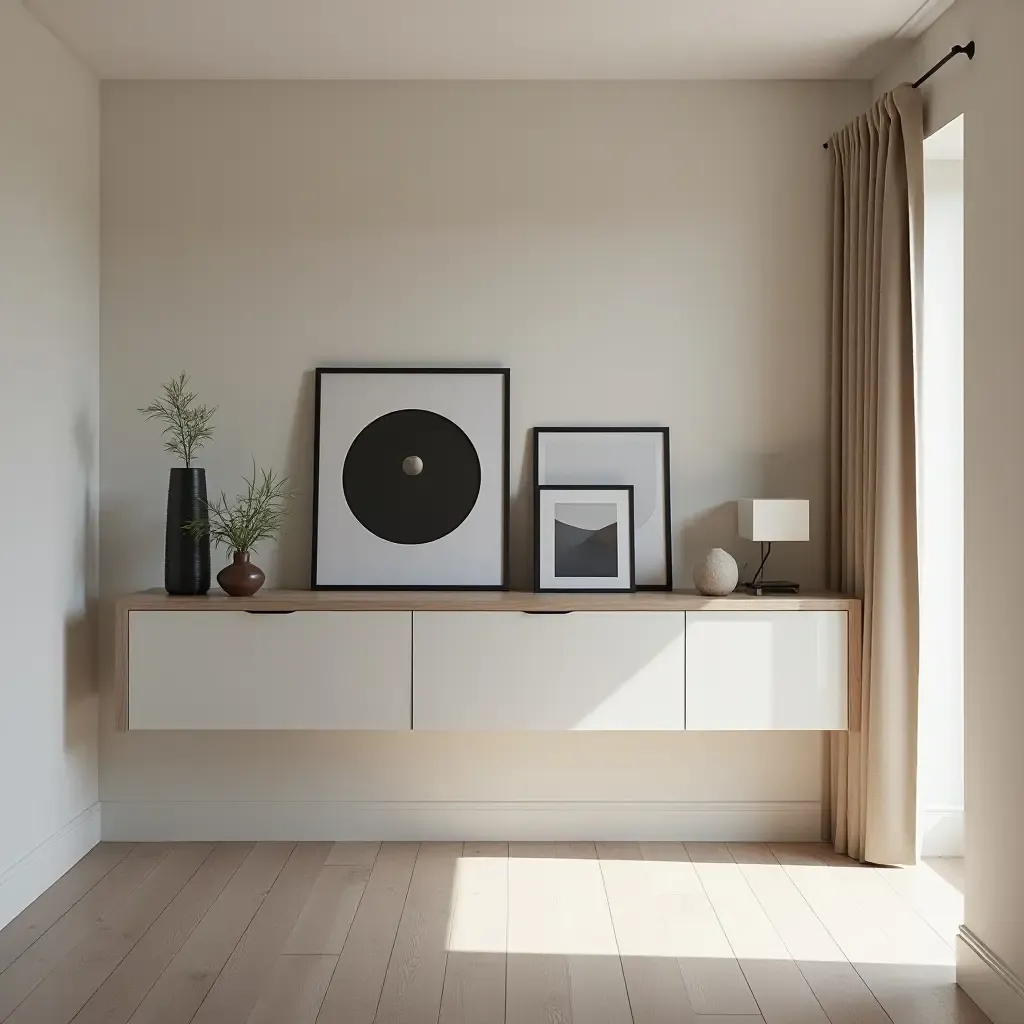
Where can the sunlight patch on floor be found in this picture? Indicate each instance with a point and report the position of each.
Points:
(479, 902)
(677, 909)
(558, 906)
(857, 905)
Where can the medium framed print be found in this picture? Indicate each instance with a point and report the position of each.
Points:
(638, 456)
(584, 539)
(410, 484)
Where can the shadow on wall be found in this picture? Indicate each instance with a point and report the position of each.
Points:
(788, 474)
(86, 544)
(295, 543)
(80, 625)
(714, 528)
(521, 539)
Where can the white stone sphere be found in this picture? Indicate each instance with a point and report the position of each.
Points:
(717, 575)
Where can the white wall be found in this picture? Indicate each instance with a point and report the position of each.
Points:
(941, 468)
(49, 398)
(636, 253)
(988, 91)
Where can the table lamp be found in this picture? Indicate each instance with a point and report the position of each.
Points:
(769, 522)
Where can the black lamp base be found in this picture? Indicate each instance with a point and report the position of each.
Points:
(767, 588)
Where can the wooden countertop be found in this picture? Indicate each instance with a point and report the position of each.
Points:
(478, 601)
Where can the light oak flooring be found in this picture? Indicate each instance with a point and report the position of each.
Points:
(485, 933)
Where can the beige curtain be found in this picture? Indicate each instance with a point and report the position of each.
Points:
(878, 192)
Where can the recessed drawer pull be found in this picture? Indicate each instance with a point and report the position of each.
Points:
(568, 611)
(269, 611)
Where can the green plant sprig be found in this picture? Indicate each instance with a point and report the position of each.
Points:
(255, 515)
(188, 424)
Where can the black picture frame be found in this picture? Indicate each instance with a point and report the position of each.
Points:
(538, 491)
(506, 374)
(666, 474)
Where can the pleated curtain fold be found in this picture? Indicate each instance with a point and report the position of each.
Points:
(878, 197)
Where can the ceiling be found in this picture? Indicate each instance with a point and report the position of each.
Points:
(486, 39)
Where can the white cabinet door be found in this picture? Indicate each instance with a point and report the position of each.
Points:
(766, 670)
(236, 670)
(509, 671)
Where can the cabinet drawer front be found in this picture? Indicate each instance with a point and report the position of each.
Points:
(304, 670)
(509, 671)
(766, 670)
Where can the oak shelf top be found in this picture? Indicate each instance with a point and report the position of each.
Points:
(479, 601)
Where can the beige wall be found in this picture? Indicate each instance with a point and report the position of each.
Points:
(988, 92)
(49, 397)
(636, 253)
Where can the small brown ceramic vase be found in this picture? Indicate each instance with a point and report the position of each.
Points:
(241, 578)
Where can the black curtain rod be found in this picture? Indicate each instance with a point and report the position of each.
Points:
(970, 49)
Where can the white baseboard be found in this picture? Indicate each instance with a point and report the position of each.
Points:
(195, 820)
(24, 880)
(942, 832)
(987, 980)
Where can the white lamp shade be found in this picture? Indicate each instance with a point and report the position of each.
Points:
(772, 520)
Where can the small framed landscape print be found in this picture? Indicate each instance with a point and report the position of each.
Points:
(618, 455)
(584, 539)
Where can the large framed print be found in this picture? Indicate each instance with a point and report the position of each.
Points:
(607, 456)
(584, 539)
(411, 479)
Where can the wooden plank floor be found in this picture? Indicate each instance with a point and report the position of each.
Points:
(486, 933)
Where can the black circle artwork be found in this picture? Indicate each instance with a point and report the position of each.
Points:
(411, 476)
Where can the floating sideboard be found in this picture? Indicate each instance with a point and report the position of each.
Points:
(482, 662)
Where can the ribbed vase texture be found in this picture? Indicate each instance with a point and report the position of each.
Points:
(186, 558)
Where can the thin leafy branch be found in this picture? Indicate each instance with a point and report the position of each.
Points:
(187, 425)
(254, 516)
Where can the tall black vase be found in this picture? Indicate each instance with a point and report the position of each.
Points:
(186, 558)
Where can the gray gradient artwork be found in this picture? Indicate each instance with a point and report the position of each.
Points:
(586, 540)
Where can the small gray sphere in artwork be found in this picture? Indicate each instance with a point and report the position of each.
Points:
(412, 466)
(717, 575)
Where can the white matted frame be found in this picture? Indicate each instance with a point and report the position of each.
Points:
(348, 556)
(613, 510)
(638, 456)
